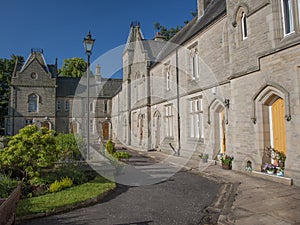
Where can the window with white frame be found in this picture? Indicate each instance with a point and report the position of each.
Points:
(67, 106)
(33, 103)
(58, 105)
(195, 63)
(169, 120)
(196, 118)
(287, 9)
(244, 26)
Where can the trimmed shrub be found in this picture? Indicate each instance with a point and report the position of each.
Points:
(121, 155)
(60, 185)
(110, 148)
(66, 182)
(55, 187)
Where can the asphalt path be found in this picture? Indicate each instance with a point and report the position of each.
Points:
(178, 200)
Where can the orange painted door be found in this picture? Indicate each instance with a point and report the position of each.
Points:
(223, 132)
(105, 131)
(279, 129)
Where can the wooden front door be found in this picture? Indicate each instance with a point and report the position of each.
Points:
(105, 129)
(46, 124)
(74, 128)
(278, 125)
(223, 132)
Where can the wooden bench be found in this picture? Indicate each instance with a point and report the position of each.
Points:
(8, 207)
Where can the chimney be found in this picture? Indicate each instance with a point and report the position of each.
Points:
(159, 37)
(98, 74)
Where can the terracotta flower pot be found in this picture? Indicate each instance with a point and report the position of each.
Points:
(226, 166)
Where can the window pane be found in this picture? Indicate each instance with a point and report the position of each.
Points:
(287, 14)
(32, 103)
(244, 26)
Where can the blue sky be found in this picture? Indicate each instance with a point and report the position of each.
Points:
(59, 26)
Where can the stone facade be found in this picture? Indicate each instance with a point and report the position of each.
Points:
(213, 86)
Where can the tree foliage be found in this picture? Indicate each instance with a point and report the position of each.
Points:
(74, 67)
(6, 69)
(29, 151)
(167, 33)
(69, 146)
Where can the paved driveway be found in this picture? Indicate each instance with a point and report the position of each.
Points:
(179, 200)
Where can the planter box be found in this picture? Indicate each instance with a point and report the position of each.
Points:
(226, 166)
(278, 179)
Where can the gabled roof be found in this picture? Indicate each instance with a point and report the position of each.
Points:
(36, 55)
(135, 34)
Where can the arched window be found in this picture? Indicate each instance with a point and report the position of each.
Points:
(32, 103)
(244, 26)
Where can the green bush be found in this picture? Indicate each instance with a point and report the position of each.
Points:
(7, 185)
(29, 151)
(60, 185)
(69, 146)
(66, 182)
(55, 187)
(76, 173)
(121, 155)
(110, 148)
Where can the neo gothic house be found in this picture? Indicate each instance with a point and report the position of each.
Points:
(229, 83)
(39, 96)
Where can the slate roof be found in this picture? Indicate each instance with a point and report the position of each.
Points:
(69, 87)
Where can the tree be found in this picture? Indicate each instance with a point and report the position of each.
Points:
(167, 33)
(74, 67)
(29, 151)
(6, 69)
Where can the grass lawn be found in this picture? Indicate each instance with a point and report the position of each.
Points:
(68, 197)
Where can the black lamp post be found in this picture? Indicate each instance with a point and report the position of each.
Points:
(88, 42)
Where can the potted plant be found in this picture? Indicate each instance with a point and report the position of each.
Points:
(269, 168)
(227, 162)
(204, 157)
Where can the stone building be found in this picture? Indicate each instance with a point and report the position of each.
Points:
(228, 83)
(39, 96)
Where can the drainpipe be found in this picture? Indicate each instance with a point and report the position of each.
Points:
(178, 104)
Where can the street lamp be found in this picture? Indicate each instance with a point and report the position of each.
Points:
(88, 42)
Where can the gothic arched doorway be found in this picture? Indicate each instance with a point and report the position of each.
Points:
(46, 124)
(220, 129)
(274, 126)
(74, 127)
